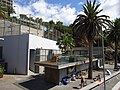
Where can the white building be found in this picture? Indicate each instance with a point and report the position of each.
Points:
(16, 51)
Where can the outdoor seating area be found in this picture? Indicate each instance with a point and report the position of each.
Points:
(74, 77)
(65, 71)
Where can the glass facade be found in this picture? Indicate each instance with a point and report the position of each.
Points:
(46, 54)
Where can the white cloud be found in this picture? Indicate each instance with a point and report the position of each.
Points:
(110, 8)
(42, 9)
(66, 14)
(19, 9)
(80, 3)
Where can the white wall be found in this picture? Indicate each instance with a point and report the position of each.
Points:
(39, 42)
(15, 53)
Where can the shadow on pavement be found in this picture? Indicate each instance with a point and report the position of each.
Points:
(76, 87)
(35, 83)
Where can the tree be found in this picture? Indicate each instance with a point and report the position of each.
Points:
(3, 11)
(51, 24)
(59, 26)
(62, 28)
(39, 21)
(114, 37)
(10, 10)
(31, 19)
(88, 25)
(65, 42)
(23, 16)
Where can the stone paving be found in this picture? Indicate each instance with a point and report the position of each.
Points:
(37, 82)
(7, 82)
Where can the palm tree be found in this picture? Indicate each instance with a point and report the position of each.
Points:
(51, 24)
(23, 16)
(59, 26)
(39, 22)
(65, 42)
(88, 25)
(114, 37)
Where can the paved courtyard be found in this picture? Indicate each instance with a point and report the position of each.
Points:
(37, 82)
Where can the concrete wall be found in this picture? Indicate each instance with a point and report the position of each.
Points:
(15, 53)
(10, 28)
(25, 29)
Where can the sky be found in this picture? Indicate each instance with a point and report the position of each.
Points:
(62, 10)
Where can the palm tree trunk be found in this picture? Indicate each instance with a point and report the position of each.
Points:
(90, 59)
(116, 46)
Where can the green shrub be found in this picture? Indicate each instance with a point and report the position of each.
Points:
(2, 70)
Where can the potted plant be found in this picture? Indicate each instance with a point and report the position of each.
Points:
(2, 70)
(55, 58)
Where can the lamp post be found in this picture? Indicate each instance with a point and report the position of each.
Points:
(103, 62)
(103, 59)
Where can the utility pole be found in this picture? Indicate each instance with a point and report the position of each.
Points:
(103, 55)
